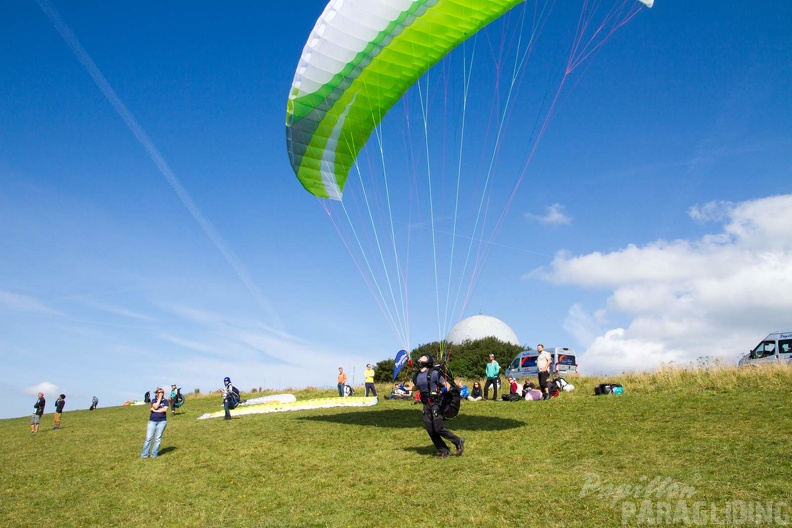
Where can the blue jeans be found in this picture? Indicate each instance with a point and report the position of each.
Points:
(154, 431)
(341, 389)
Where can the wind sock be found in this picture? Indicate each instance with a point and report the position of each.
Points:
(401, 359)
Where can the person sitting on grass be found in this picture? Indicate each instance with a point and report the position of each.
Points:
(400, 392)
(464, 392)
(529, 391)
(476, 394)
(513, 387)
(515, 393)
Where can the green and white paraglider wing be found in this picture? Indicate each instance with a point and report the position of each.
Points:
(361, 56)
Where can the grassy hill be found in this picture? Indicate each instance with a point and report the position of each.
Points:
(712, 441)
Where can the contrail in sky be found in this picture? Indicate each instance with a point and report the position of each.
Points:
(156, 157)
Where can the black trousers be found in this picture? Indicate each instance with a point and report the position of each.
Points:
(543, 377)
(493, 382)
(370, 387)
(433, 422)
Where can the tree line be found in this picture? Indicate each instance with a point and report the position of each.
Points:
(467, 360)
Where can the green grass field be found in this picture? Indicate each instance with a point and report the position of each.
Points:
(710, 445)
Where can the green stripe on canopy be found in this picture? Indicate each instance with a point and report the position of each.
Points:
(360, 58)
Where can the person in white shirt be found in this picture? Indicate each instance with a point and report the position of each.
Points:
(543, 368)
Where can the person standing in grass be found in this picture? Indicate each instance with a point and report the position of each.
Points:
(493, 378)
(158, 421)
(369, 375)
(59, 403)
(38, 410)
(174, 394)
(430, 384)
(341, 381)
(230, 397)
(543, 362)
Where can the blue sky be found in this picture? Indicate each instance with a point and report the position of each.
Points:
(152, 230)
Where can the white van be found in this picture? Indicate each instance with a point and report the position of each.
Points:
(563, 359)
(775, 347)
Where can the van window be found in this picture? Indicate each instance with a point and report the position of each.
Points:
(764, 349)
(566, 359)
(528, 362)
(785, 346)
(515, 364)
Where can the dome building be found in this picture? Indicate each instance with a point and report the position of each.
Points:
(479, 327)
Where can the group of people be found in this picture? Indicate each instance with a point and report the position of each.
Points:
(528, 391)
(368, 376)
(430, 383)
(38, 412)
(158, 414)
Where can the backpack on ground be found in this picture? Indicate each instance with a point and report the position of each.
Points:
(348, 390)
(563, 384)
(608, 388)
(511, 397)
(552, 388)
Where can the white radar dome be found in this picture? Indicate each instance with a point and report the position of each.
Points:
(479, 327)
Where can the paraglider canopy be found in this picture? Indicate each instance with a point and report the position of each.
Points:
(361, 57)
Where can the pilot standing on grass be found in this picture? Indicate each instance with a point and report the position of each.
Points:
(230, 397)
(174, 394)
(543, 370)
(430, 384)
(38, 410)
(369, 374)
(341, 381)
(493, 378)
(59, 403)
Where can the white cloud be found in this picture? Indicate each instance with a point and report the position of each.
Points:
(685, 299)
(554, 215)
(45, 387)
